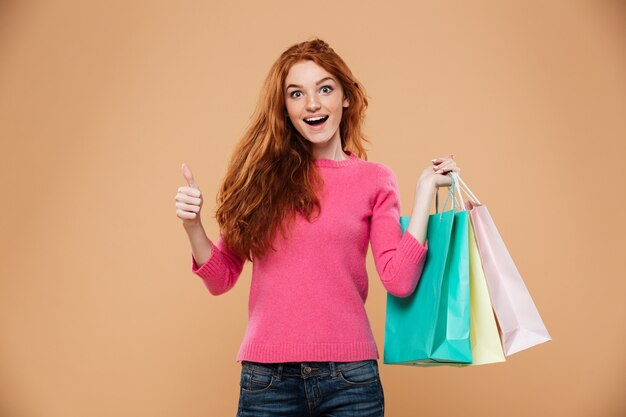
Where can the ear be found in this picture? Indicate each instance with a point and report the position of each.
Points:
(346, 101)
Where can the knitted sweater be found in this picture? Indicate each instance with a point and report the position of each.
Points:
(307, 299)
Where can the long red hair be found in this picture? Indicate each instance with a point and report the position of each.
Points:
(271, 174)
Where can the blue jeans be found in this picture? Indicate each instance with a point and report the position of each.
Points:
(311, 389)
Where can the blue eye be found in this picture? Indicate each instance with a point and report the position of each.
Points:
(326, 89)
(293, 94)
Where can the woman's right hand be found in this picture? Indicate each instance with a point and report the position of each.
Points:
(189, 200)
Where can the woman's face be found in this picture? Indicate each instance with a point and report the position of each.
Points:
(314, 100)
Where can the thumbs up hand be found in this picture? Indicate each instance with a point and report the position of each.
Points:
(189, 200)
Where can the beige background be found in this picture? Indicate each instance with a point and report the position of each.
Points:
(101, 103)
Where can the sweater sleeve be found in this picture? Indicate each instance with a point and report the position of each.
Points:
(399, 257)
(221, 271)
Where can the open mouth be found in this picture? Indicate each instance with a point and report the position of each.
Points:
(314, 121)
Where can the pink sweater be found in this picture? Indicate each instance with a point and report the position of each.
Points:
(307, 299)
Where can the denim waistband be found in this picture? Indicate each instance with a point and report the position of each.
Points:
(304, 369)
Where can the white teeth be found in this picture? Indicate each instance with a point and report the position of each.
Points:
(313, 119)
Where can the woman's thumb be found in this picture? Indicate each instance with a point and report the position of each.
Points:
(189, 176)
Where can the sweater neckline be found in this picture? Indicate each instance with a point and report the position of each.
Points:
(332, 163)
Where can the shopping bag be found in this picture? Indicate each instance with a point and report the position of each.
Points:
(432, 325)
(484, 336)
(521, 326)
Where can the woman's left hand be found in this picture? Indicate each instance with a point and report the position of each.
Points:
(437, 173)
(433, 177)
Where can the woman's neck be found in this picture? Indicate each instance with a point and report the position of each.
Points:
(331, 150)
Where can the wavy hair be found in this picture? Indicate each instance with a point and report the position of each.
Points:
(271, 174)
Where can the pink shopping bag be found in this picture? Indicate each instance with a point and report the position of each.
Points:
(520, 324)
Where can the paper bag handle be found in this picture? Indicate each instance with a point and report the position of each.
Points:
(451, 191)
(467, 190)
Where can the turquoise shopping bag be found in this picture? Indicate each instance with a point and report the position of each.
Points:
(432, 325)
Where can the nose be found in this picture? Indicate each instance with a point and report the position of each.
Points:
(313, 102)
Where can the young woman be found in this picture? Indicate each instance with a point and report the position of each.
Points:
(301, 170)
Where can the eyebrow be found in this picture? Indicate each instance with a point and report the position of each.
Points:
(317, 83)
